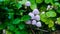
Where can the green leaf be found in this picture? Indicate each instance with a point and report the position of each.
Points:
(11, 15)
(21, 26)
(18, 5)
(16, 21)
(23, 1)
(24, 32)
(51, 14)
(8, 32)
(1, 0)
(58, 10)
(25, 18)
(53, 28)
(51, 24)
(56, 0)
(39, 1)
(11, 27)
(33, 4)
(16, 29)
(56, 3)
(42, 8)
(44, 18)
(58, 20)
(10, 10)
(32, 1)
(59, 5)
(4, 2)
(21, 32)
(21, 12)
(17, 32)
(47, 1)
(1, 27)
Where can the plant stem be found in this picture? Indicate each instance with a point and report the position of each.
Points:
(32, 30)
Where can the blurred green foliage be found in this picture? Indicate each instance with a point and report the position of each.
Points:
(13, 15)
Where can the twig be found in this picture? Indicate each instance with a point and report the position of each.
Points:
(32, 30)
(42, 30)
